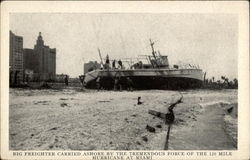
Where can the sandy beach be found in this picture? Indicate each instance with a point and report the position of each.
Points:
(75, 119)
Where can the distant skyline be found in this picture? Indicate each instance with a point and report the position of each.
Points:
(207, 40)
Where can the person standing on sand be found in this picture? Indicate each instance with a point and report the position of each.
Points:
(113, 64)
(81, 79)
(120, 64)
(120, 83)
(129, 84)
(107, 62)
(66, 81)
(115, 83)
(98, 83)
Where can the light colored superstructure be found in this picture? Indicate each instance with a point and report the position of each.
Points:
(156, 74)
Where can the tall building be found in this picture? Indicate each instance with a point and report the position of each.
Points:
(29, 59)
(41, 59)
(15, 59)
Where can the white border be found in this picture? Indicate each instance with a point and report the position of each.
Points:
(240, 8)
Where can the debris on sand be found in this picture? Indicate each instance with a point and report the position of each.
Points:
(126, 119)
(54, 128)
(64, 105)
(157, 114)
(41, 102)
(170, 117)
(158, 126)
(63, 99)
(150, 129)
(145, 138)
(13, 134)
(230, 110)
(171, 107)
(139, 101)
(103, 101)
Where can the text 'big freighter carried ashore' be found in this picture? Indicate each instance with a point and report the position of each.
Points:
(155, 74)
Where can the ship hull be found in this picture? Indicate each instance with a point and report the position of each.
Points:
(145, 79)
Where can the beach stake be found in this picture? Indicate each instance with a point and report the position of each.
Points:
(170, 119)
(167, 138)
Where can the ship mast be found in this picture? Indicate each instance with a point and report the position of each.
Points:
(153, 52)
(152, 46)
(100, 55)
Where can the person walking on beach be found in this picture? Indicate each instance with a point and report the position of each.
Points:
(129, 84)
(120, 64)
(66, 81)
(107, 62)
(115, 83)
(113, 64)
(120, 83)
(98, 83)
(81, 79)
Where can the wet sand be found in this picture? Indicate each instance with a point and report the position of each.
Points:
(73, 119)
(206, 133)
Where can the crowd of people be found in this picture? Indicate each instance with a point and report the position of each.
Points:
(118, 83)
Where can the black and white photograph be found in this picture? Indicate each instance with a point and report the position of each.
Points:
(130, 81)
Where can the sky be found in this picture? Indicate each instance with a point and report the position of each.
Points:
(207, 40)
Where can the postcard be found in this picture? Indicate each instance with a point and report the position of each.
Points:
(125, 80)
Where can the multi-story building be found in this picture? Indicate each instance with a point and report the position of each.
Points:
(29, 59)
(41, 59)
(15, 59)
(29, 63)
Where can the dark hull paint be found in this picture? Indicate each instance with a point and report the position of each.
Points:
(146, 82)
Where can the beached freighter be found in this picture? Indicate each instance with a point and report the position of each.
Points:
(156, 74)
